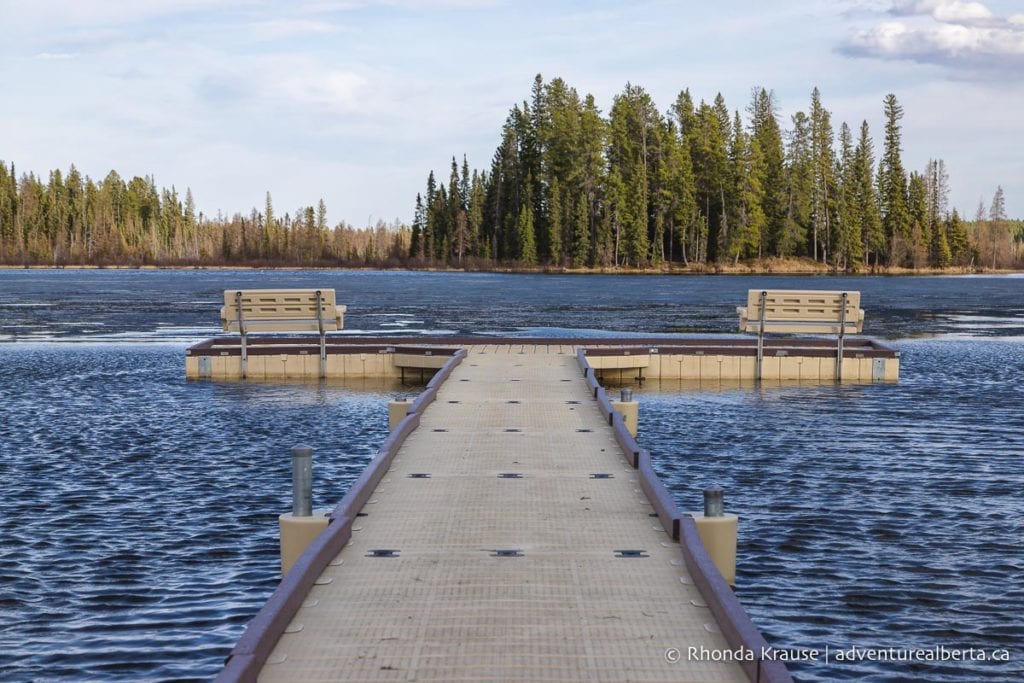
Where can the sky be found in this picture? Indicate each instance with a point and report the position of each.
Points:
(355, 101)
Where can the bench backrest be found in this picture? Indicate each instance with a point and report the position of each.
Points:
(808, 311)
(281, 310)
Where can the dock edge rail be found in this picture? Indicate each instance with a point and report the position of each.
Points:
(250, 653)
(737, 628)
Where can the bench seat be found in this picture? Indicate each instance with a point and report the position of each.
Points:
(794, 311)
(281, 310)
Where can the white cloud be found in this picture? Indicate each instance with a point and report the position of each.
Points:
(290, 82)
(306, 82)
(355, 100)
(949, 11)
(950, 33)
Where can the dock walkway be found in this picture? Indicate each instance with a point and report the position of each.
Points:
(504, 511)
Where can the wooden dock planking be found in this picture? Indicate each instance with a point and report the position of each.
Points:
(446, 609)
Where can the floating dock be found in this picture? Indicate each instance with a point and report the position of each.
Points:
(510, 528)
(725, 359)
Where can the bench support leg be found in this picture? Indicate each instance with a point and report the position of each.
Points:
(323, 356)
(760, 339)
(839, 345)
(241, 331)
(245, 358)
(323, 335)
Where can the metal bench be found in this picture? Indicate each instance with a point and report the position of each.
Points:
(794, 311)
(281, 310)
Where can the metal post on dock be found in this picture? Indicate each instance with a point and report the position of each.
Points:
(718, 532)
(302, 525)
(714, 501)
(628, 409)
(302, 481)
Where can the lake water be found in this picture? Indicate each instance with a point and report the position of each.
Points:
(138, 526)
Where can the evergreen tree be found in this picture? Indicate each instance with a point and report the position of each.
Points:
(527, 239)
(747, 237)
(892, 186)
(555, 219)
(477, 199)
(430, 240)
(783, 235)
(593, 175)
(634, 123)
(581, 253)
(793, 239)
(824, 181)
(686, 120)
(849, 219)
(711, 173)
(938, 193)
(998, 231)
(868, 210)
(680, 204)
(959, 244)
(917, 207)
(418, 224)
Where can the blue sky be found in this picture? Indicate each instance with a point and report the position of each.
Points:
(355, 101)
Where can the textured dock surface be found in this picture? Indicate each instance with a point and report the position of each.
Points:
(505, 565)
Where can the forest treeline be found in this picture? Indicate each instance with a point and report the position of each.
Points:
(568, 187)
(700, 184)
(70, 219)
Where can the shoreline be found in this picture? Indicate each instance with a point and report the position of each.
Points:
(768, 267)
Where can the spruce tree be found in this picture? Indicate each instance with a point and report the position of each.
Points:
(711, 172)
(824, 164)
(765, 130)
(581, 235)
(477, 199)
(865, 197)
(793, 238)
(917, 207)
(747, 239)
(850, 222)
(938, 193)
(555, 219)
(892, 185)
(633, 124)
(527, 239)
(959, 244)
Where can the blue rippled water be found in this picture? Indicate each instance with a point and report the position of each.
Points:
(872, 516)
(138, 525)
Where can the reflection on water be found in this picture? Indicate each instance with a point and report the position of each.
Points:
(139, 521)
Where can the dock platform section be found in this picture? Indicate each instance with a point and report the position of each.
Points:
(509, 530)
(704, 359)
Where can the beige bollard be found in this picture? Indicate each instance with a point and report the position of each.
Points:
(397, 410)
(629, 410)
(718, 533)
(297, 533)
